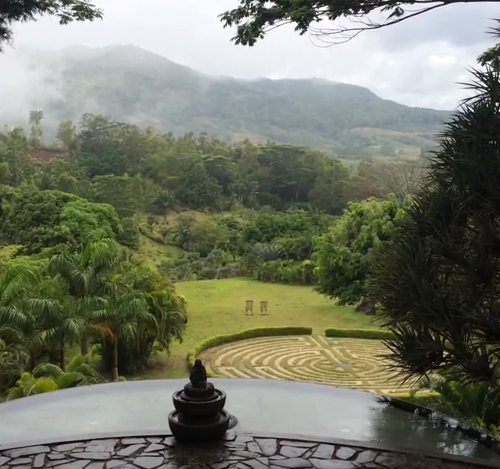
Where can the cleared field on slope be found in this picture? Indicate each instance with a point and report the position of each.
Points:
(218, 307)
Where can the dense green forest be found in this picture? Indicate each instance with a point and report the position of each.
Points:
(98, 226)
(137, 86)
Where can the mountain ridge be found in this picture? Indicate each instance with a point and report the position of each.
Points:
(138, 86)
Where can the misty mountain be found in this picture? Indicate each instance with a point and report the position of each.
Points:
(133, 85)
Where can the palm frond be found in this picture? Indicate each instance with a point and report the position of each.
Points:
(48, 370)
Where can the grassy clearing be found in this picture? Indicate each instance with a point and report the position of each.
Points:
(153, 252)
(218, 307)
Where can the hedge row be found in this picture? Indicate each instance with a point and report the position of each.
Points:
(216, 340)
(422, 398)
(359, 334)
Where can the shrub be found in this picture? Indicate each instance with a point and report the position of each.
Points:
(216, 340)
(359, 334)
(206, 273)
(286, 271)
(191, 266)
(228, 271)
(425, 399)
(130, 235)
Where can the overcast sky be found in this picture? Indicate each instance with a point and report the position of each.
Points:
(417, 62)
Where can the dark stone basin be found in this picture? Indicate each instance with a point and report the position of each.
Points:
(211, 430)
(269, 406)
(202, 407)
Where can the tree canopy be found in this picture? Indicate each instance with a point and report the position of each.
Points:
(67, 11)
(437, 280)
(255, 18)
(343, 254)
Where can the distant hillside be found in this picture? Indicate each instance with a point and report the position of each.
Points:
(134, 85)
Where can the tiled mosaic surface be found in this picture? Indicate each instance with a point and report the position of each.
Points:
(239, 452)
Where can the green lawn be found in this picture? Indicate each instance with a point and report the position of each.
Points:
(155, 253)
(218, 307)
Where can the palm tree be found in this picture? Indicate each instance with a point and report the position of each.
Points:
(437, 281)
(126, 318)
(48, 377)
(168, 308)
(86, 276)
(17, 323)
(60, 323)
(13, 356)
(152, 312)
(477, 403)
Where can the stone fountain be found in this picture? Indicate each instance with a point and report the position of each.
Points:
(199, 413)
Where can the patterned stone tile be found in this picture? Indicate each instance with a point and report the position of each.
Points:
(235, 451)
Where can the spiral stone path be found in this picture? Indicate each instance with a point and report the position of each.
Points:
(353, 363)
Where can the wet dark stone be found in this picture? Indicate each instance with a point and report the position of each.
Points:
(390, 459)
(92, 455)
(111, 464)
(169, 441)
(17, 453)
(253, 447)
(245, 452)
(256, 464)
(292, 463)
(345, 452)
(20, 461)
(292, 452)
(298, 443)
(366, 456)
(100, 465)
(332, 464)
(154, 447)
(129, 450)
(99, 446)
(147, 462)
(39, 460)
(67, 446)
(74, 465)
(133, 441)
(324, 452)
(268, 446)
(220, 465)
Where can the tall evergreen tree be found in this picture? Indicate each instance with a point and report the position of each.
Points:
(438, 281)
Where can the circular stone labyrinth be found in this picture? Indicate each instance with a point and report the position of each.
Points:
(352, 363)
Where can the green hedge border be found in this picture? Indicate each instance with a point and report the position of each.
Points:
(372, 334)
(422, 398)
(216, 340)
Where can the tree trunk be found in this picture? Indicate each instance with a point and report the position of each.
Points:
(114, 361)
(32, 361)
(84, 347)
(62, 356)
